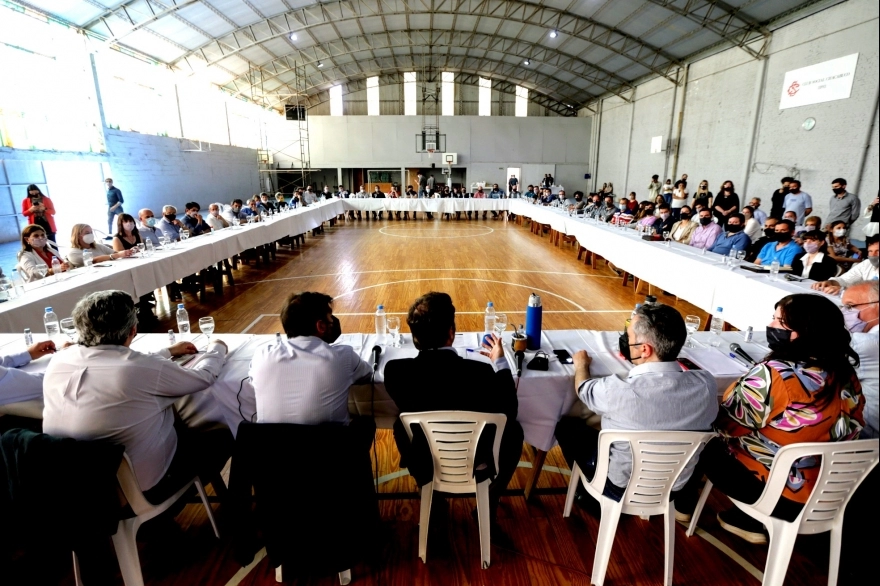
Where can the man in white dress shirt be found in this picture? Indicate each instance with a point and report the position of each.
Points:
(861, 312)
(304, 379)
(867, 270)
(17, 386)
(102, 389)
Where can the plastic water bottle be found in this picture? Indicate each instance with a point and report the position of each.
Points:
(182, 320)
(28, 337)
(50, 320)
(716, 326)
(633, 314)
(172, 339)
(774, 270)
(380, 324)
(489, 319)
(56, 269)
(88, 259)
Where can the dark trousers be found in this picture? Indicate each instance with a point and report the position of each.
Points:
(579, 443)
(732, 478)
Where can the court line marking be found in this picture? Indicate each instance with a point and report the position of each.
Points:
(242, 573)
(565, 273)
(744, 563)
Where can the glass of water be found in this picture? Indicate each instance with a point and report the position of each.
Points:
(666, 236)
(393, 324)
(184, 234)
(206, 325)
(68, 327)
(162, 241)
(774, 270)
(692, 323)
(141, 248)
(500, 323)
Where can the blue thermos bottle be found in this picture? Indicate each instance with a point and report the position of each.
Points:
(533, 322)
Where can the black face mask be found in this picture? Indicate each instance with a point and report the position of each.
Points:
(685, 216)
(770, 233)
(781, 236)
(839, 190)
(796, 190)
(778, 339)
(734, 227)
(624, 346)
(170, 217)
(334, 331)
(705, 221)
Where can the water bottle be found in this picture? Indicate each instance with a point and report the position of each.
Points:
(56, 269)
(650, 300)
(489, 319)
(182, 319)
(50, 320)
(172, 339)
(88, 259)
(716, 326)
(278, 338)
(534, 312)
(774, 270)
(633, 314)
(148, 247)
(28, 338)
(380, 324)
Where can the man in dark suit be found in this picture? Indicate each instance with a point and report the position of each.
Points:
(439, 379)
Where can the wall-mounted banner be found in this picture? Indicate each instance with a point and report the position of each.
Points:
(823, 82)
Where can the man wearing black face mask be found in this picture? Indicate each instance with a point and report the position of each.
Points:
(777, 200)
(734, 238)
(768, 234)
(706, 233)
(303, 379)
(843, 206)
(169, 224)
(797, 201)
(783, 249)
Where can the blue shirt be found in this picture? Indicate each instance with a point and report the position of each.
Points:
(739, 241)
(114, 196)
(496, 194)
(169, 230)
(785, 256)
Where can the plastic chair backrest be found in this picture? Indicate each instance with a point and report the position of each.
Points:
(453, 437)
(658, 458)
(844, 466)
(131, 488)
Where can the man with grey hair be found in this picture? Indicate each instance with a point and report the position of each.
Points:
(169, 225)
(657, 394)
(101, 389)
(214, 219)
(861, 313)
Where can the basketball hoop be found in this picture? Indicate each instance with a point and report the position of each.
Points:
(430, 152)
(449, 159)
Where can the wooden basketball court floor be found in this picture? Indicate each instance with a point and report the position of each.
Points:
(363, 264)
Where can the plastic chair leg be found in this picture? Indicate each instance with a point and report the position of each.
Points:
(669, 554)
(834, 553)
(127, 553)
(485, 521)
(279, 576)
(782, 538)
(424, 518)
(345, 577)
(699, 509)
(572, 489)
(208, 509)
(605, 540)
(77, 574)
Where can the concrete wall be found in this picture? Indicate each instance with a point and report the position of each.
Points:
(486, 146)
(150, 170)
(731, 124)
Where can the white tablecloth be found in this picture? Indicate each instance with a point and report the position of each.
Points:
(544, 396)
(446, 205)
(704, 280)
(140, 276)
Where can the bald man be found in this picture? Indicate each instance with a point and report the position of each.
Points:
(861, 311)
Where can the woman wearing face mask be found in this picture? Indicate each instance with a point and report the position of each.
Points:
(726, 202)
(39, 209)
(36, 251)
(816, 263)
(840, 249)
(683, 228)
(805, 390)
(127, 236)
(752, 227)
(703, 196)
(82, 238)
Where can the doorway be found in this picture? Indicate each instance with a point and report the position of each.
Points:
(514, 172)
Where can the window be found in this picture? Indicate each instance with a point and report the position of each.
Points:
(409, 93)
(202, 111)
(245, 123)
(522, 101)
(336, 100)
(47, 99)
(373, 96)
(447, 95)
(485, 97)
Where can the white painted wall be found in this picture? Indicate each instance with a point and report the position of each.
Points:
(731, 98)
(486, 146)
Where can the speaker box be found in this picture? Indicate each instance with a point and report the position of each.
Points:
(294, 112)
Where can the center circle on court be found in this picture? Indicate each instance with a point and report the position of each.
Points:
(458, 232)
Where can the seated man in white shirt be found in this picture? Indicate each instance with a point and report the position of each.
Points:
(147, 226)
(867, 270)
(304, 379)
(17, 386)
(214, 219)
(861, 313)
(101, 389)
(656, 395)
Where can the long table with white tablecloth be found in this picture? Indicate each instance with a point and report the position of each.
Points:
(702, 279)
(544, 396)
(445, 205)
(142, 275)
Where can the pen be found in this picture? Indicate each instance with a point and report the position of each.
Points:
(740, 360)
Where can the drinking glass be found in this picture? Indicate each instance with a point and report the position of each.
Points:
(68, 327)
(666, 235)
(393, 324)
(741, 256)
(162, 241)
(500, 323)
(5, 287)
(774, 270)
(141, 248)
(206, 325)
(41, 270)
(184, 234)
(692, 324)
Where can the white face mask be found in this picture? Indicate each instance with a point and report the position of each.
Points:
(38, 242)
(127, 226)
(840, 232)
(88, 238)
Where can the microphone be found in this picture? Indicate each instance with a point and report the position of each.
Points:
(374, 356)
(520, 356)
(737, 349)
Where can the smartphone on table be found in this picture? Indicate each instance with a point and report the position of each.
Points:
(563, 356)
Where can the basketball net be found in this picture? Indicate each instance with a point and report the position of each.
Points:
(430, 153)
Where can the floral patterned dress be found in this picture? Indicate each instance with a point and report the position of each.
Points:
(774, 405)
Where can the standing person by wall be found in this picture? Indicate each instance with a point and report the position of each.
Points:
(39, 210)
(114, 205)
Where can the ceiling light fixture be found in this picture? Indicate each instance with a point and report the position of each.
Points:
(527, 62)
(553, 34)
(292, 36)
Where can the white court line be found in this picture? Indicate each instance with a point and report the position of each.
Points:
(259, 317)
(242, 573)
(744, 563)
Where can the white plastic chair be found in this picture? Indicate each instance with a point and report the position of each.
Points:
(658, 457)
(844, 466)
(344, 577)
(124, 540)
(453, 437)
